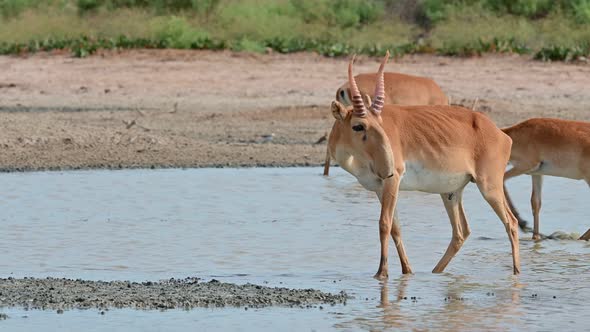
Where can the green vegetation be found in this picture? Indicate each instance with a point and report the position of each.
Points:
(550, 30)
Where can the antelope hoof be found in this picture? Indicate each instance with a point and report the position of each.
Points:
(536, 237)
(381, 275)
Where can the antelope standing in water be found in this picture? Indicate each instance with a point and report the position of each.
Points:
(435, 149)
(400, 89)
(544, 146)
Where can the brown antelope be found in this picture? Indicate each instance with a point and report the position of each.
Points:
(544, 146)
(400, 89)
(436, 149)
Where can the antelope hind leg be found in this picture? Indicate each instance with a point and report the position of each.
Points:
(536, 203)
(453, 204)
(493, 192)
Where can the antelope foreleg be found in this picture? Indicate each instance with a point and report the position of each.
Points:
(388, 202)
(327, 162)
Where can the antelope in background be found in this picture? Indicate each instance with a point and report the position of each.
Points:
(400, 89)
(544, 146)
(435, 149)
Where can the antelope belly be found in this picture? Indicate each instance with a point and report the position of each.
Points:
(566, 169)
(418, 178)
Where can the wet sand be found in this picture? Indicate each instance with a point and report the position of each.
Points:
(63, 294)
(167, 108)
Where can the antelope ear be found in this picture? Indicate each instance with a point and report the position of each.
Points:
(338, 111)
(367, 100)
(343, 96)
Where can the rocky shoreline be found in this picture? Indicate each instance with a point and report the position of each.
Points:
(64, 294)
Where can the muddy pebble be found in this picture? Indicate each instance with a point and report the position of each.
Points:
(60, 294)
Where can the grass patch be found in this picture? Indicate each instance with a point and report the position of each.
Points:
(480, 46)
(549, 30)
(563, 53)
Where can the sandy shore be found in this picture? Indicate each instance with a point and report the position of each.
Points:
(63, 294)
(117, 110)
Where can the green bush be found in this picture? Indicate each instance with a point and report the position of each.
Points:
(527, 8)
(561, 53)
(12, 8)
(161, 6)
(580, 10)
(84, 46)
(85, 6)
(480, 46)
(438, 10)
(176, 32)
(434, 10)
(247, 45)
(328, 27)
(338, 13)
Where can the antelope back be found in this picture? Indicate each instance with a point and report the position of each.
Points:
(400, 89)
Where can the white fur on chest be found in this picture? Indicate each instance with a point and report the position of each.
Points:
(415, 178)
(360, 169)
(369, 180)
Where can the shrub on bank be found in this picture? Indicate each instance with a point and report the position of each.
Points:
(85, 46)
(328, 27)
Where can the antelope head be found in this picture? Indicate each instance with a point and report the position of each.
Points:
(358, 138)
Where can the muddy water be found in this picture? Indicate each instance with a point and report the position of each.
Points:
(293, 228)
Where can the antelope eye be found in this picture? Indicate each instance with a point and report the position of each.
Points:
(358, 127)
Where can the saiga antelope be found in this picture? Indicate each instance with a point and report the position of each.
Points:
(544, 146)
(400, 89)
(436, 149)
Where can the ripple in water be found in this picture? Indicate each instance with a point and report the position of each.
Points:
(294, 228)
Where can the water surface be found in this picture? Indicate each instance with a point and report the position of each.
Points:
(289, 227)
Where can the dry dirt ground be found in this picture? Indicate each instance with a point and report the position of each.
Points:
(164, 108)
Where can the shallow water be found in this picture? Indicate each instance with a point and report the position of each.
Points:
(289, 227)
